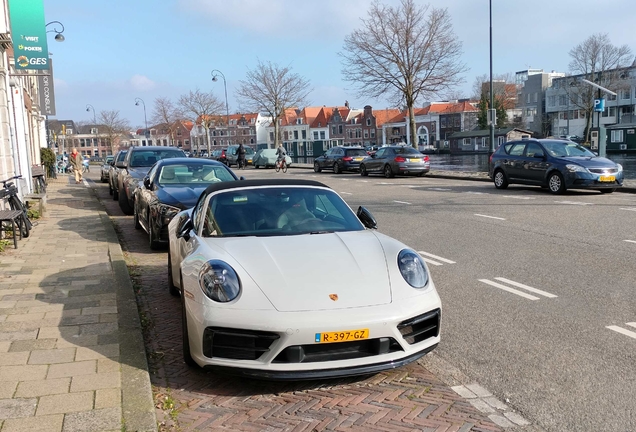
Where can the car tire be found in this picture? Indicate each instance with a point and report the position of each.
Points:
(556, 184)
(124, 205)
(388, 172)
(607, 191)
(185, 338)
(500, 179)
(317, 168)
(136, 217)
(110, 189)
(363, 171)
(154, 244)
(336, 168)
(174, 291)
(115, 194)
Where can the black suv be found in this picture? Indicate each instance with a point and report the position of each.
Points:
(340, 159)
(134, 168)
(113, 173)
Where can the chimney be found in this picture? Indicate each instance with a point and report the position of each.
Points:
(347, 103)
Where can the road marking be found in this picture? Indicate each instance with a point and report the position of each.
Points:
(364, 181)
(436, 257)
(490, 217)
(402, 202)
(630, 241)
(518, 197)
(430, 261)
(526, 287)
(621, 330)
(439, 189)
(476, 193)
(346, 193)
(344, 179)
(384, 183)
(630, 209)
(633, 324)
(574, 202)
(510, 290)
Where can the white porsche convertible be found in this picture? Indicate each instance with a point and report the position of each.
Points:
(282, 280)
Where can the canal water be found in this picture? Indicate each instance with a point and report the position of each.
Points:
(479, 162)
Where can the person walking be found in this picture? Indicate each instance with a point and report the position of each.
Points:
(241, 156)
(76, 161)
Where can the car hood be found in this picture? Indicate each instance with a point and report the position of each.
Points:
(182, 197)
(590, 162)
(306, 272)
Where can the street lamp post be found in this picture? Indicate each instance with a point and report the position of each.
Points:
(137, 100)
(89, 107)
(215, 74)
(57, 30)
(492, 111)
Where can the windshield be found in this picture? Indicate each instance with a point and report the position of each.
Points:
(147, 158)
(122, 156)
(278, 211)
(566, 149)
(193, 174)
(355, 152)
(407, 150)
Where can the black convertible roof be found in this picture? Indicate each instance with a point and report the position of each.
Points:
(252, 183)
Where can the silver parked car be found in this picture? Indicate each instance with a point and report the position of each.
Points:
(106, 168)
(396, 160)
(266, 158)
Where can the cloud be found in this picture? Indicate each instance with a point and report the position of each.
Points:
(142, 83)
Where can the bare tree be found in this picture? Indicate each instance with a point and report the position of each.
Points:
(595, 59)
(203, 107)
(165, 113)
(272, 89)
(403, 53)
(113, 127)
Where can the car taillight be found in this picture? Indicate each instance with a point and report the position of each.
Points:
(400, 159)
(490, 158)
(347, 158)
(426, 159)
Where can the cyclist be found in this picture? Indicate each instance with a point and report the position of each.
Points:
(280, 154)
(87, 167)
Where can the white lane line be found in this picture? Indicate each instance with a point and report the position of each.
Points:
(439, 189)
(432, 262)
(630, 209)
(518, 197)
(384, 183)
(510, 290)
(631, 324)
(345, 179)
(526, 287)
(436, 257)
(85, 182)
(630, 241)
(490, 217)
(401, 202)
(621, 330)
(346, 193)
(573, 202)
(476, 193)
(364, 181)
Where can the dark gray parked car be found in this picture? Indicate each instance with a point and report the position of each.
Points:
(556, 164)
(396, 160)
(340, 159)
(114, 172)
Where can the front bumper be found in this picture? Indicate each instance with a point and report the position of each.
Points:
(584, 180)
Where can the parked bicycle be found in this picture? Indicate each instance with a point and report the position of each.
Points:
(281, 164)
(10, 192)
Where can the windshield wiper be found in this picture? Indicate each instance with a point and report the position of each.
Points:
(321, 232)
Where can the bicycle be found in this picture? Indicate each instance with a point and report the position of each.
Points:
(10, 193)
(281, 165)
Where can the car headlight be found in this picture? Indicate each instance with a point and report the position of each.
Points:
(219, 281)
(412, 267)
(168, 212)
(620, 167)
(575, 168)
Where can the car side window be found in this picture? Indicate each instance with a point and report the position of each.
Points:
(534, 150)
(517, 149)
(152, 172)
(197, 212)
(329, 152)
(380, 153)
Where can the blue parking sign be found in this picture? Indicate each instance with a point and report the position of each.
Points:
(599, 105)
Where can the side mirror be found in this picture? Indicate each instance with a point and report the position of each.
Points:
(366, 218)
(147, 183)
(241, 178)
(184, 229)
(121, 164)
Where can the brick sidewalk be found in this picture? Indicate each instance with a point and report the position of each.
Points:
(71, 351)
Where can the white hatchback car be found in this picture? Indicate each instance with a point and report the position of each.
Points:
(282, 280)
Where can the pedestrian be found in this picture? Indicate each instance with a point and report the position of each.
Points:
(76, 162)
(241, 156)
(86, 163)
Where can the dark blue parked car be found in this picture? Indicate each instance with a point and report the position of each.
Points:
(556, 164)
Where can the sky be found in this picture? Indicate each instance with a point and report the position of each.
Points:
(115, 50)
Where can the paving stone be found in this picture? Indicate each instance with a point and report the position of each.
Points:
(43, 387)
(16, 408)
(5, 346)
(72, 369)
(516, 418)
(13, 358)
(481, 405)
(99, 310)
(64, 355)
(500, 421)
(31, 345)
(58, 332)
(108, 398)
(78, 341)
(95, 382)
(65, 403)
(7, 389)
(107, 365)
(63, 313)
(93, 421)
(107, 318)
(25, 317)
(495, 403)
(478, 390)
(99, 351)
(98, 329)
(18, 335)
(23, 373)
(47, 423)
(464, 392)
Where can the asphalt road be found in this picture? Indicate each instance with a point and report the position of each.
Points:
(556, 335)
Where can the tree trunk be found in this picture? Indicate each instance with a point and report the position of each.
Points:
(275, 133)
(412, 126)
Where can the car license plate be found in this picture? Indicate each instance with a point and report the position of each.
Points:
(607, 178)
(342, 336)
(415, 160)
(358, 159)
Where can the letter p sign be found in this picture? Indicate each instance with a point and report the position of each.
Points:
(599, 105)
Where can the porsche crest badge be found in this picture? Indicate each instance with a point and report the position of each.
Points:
(333, 297)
